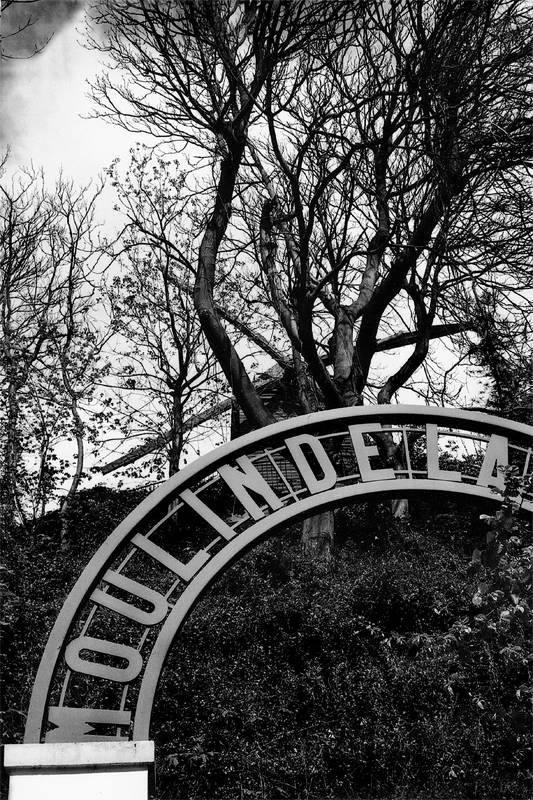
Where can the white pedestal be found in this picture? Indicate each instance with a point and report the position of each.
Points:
(79, 771)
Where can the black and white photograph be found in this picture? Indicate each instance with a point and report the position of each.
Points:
(266, 399)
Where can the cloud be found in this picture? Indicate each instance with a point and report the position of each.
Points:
(28, 26)
(46, 112)
(29, 32)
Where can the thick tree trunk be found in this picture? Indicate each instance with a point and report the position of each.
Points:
(221, 345)
(177, 431)
(317, 531)
(400, 508)
(174, 453)
(73, 488)
(394, 457)
(317, 537)
(10, 457)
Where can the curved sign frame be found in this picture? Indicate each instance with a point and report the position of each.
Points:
(101, 666)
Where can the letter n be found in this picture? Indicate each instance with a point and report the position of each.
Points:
(240, 480)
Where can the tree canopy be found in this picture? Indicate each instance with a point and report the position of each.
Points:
(366, 167)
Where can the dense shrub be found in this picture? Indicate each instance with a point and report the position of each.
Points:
(345, 683)
(291, 682)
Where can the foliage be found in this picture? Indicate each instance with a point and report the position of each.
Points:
(505, 359)
(498, 631)
(343, 684)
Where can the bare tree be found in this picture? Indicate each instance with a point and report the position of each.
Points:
(79, 338)
(29, 289)
(165, 364)
(51, 349)
(387, 150)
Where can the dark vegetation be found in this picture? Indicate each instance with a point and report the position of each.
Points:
(389, 674)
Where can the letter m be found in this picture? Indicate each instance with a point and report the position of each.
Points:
(76, 724)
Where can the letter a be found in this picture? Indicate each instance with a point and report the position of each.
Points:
(496, 455)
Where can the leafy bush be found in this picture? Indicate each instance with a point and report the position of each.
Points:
(345, 684)
(373, 679)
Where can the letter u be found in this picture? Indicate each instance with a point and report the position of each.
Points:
(160, 605)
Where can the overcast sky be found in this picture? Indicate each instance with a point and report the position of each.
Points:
(43, 105)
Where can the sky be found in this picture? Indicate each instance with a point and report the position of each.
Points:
(44, 107)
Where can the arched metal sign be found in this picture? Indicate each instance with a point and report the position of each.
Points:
(102, 662)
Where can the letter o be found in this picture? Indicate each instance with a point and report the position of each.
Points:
(119, 674)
